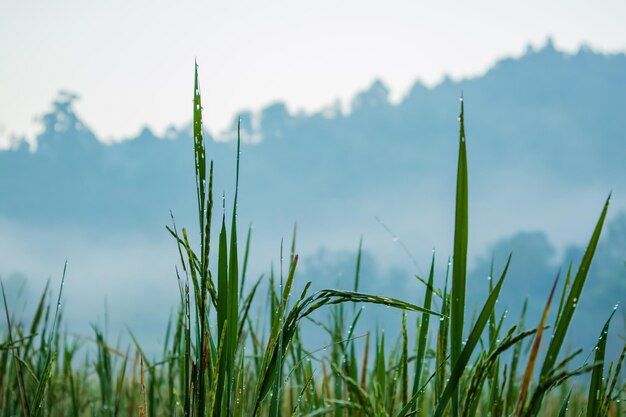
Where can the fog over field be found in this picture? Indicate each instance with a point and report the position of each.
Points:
(546, 146)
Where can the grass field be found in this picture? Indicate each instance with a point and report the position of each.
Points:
(218, 361)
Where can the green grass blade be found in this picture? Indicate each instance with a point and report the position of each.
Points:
(422, 339)
(233, 288)
(357, 273)
(565, 405)
(18, 365)
(459, 261)
(512, 383)
(199, 149)
(563, 321)
(42, 385)
(37, 317)
(595, 387)
(568, 280)
(404, 362)
(470, 345)
(442, 337)
(246, 254)
(222, 316)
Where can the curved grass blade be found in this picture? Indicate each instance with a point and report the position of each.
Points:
(303, 308)
(563, 321)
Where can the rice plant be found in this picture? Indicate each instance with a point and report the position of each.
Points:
(219, 361)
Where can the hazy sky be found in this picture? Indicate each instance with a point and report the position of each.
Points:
(131, 61)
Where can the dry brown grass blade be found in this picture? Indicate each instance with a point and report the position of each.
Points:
(143, 408)
(365, 359)
(533, 353)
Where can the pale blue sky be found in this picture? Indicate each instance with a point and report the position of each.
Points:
(131, 61)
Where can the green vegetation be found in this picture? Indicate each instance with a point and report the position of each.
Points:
(217, 360)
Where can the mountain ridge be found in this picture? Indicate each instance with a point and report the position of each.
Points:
(545, 135)
(376, 94)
